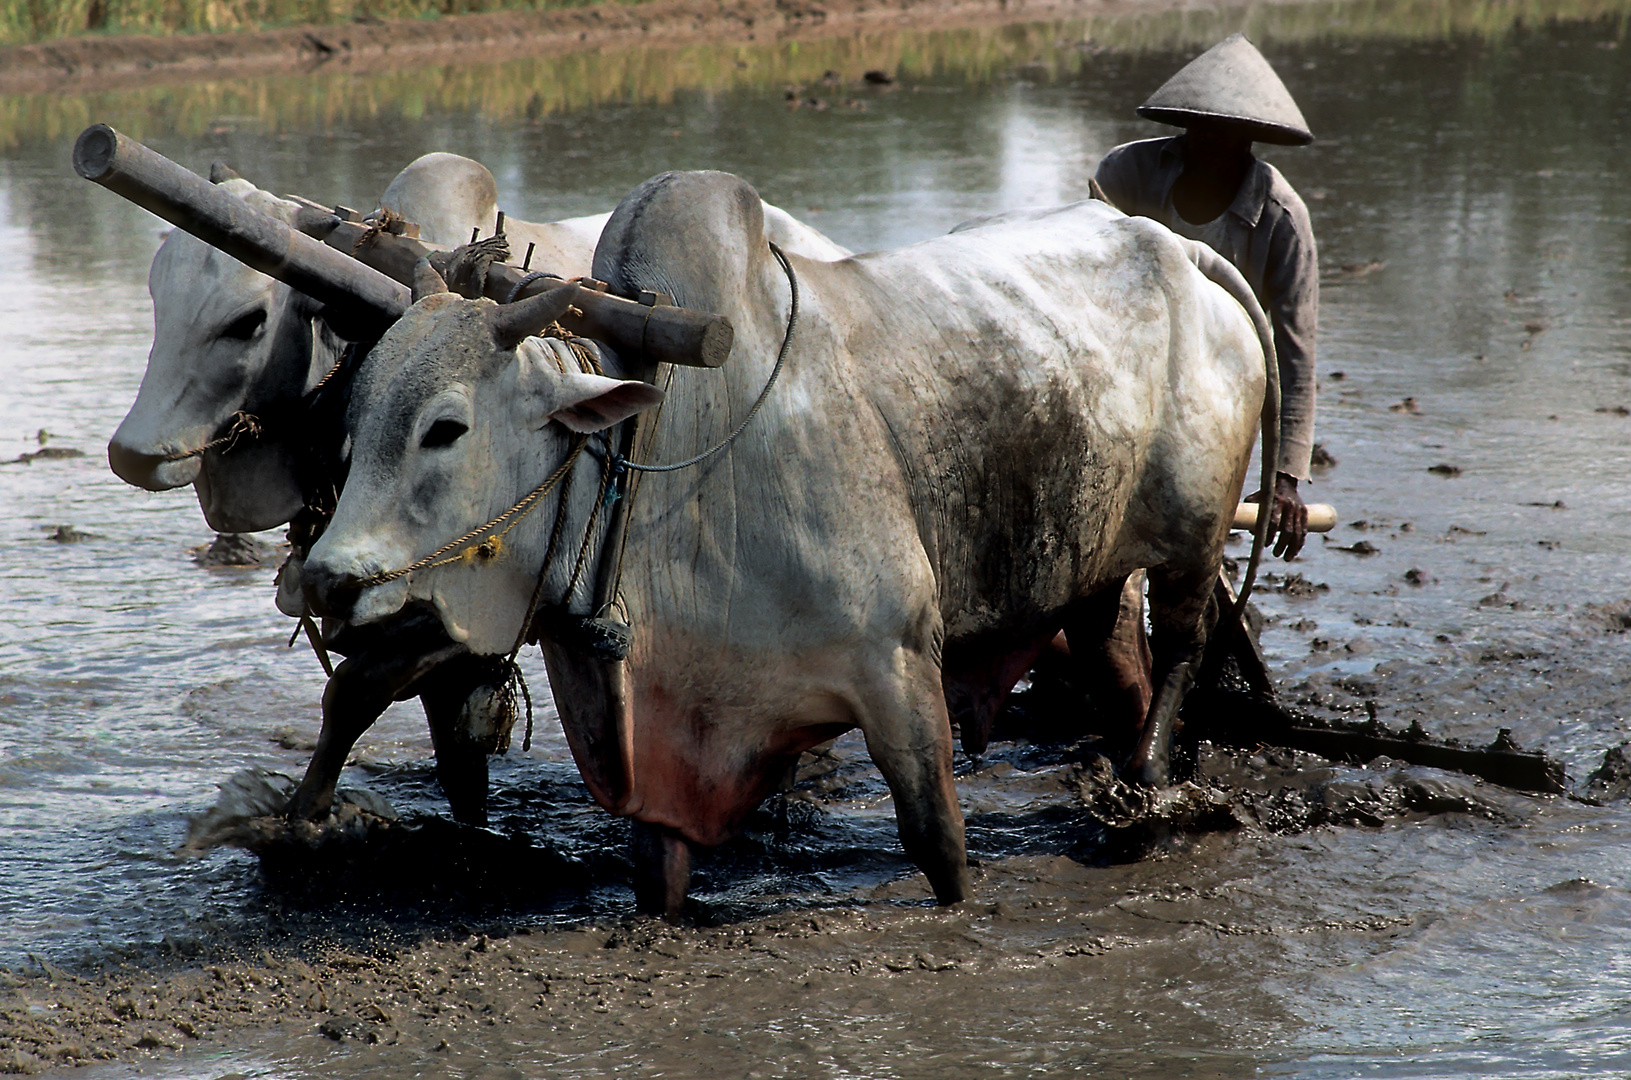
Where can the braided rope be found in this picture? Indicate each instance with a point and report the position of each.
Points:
(589, 529)
(517, 677)
(242, 424)
(466, 266)
(333, 371)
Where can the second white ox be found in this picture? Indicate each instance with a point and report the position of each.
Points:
(973, 442)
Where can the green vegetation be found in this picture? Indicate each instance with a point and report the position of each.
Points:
(565, 82)
(25, 21)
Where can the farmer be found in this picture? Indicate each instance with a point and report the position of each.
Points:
(1206, 184)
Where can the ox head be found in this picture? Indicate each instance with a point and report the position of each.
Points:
(459, 412)
(226, 338)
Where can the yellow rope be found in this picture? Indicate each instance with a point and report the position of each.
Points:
(333, 371)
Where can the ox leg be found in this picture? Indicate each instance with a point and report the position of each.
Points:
(1178, 608)
(360, 690)
(908, 734)
(450, 695)
(1111, 654)
(662, 871)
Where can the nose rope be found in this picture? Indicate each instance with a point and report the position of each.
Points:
(517, 678)
(243, 424)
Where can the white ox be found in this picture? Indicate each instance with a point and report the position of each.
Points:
(228, 339)
(973, 442)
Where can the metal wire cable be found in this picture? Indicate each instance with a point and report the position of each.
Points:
(623, 463)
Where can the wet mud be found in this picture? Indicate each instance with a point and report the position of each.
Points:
(238, 549)
(404, 944)
(1280, 914)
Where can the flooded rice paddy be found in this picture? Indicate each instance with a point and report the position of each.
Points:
(1469, 193)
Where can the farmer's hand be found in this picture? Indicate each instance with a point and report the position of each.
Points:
(1288, 517)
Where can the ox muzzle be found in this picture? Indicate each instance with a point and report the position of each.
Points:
(149, 469)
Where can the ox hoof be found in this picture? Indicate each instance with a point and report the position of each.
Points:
(462, 774)
(1148, 768)
(1154, 774)
(955, 891)
(308, 806)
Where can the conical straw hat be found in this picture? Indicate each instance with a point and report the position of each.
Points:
(1231, 81)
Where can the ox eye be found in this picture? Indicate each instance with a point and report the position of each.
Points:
(442, 433)
(245, 327)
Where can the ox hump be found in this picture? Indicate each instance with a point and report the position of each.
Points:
(696, 236)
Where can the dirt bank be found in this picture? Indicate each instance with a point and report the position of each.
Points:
(88, 63)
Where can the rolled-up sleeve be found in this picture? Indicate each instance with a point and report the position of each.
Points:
(1291, 299)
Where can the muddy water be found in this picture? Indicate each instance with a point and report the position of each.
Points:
(1469, 195)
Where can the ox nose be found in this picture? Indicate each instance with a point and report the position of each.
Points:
(153, 472)
(330, 591)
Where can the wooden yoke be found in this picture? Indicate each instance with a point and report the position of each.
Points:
(650, 327)
(368, 291)
(260, 241)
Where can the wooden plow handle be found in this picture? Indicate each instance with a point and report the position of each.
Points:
(1322, 517)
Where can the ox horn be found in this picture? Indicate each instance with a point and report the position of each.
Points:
(426, 281)
(514, 323)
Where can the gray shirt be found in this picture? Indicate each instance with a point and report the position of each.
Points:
(1267, 235)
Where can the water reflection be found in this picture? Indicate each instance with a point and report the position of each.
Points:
(333, 95)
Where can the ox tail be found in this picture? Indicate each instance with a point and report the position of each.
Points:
(1222, 272)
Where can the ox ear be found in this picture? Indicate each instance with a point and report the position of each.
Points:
(426, 281)
(590, 403)
(514, 323)
(220, 172)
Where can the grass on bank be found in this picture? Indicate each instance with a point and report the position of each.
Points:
(29, 21)
(567, 82)
(24, 22)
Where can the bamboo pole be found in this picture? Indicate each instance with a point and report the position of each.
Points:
(1322, 517)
